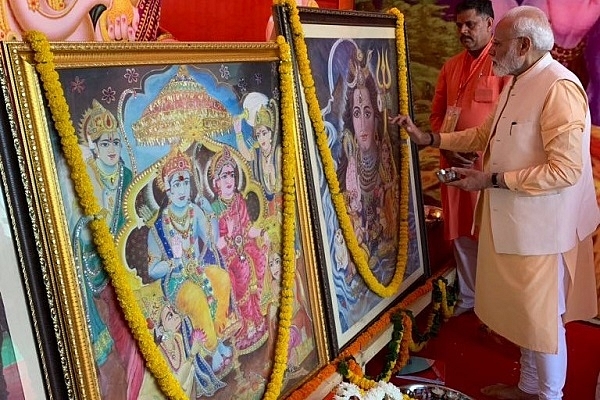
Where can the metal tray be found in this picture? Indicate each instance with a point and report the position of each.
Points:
(433, 392)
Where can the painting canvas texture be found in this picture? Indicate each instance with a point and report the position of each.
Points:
(355, 73)
(185, 162)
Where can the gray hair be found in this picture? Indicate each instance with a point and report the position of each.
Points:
(531, 22)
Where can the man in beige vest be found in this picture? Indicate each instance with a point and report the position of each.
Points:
(537, 207)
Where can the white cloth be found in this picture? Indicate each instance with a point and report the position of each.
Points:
(465, 254)
(543, 373)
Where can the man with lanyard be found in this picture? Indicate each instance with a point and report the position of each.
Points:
(537, 210)
(465, 94)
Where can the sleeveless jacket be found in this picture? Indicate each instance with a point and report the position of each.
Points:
(541, 224)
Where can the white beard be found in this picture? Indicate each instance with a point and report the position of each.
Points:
(509, 64)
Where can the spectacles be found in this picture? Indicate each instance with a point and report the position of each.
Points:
(496, 42)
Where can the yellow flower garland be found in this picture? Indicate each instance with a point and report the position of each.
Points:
(289, 223)
(102, 237)
(104, 241)
(442, 306)
(374, 330)
(358, 255)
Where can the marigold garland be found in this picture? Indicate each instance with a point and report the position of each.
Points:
(398, 354)
(375, 329)
(357, 253)
(405, 329)
(102, 237)
(289, 223)
(104, 241)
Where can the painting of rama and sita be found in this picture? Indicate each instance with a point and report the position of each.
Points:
(186, 163)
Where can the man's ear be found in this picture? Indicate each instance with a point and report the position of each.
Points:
(490, 23)
(524, 45)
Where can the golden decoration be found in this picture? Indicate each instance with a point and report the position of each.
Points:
(95, 122)
(183, 110)
(105, 243)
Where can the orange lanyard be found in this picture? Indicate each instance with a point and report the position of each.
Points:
(478, 62)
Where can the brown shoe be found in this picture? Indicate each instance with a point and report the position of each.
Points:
(505, 392)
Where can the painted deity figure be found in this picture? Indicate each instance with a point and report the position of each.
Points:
(359, 170)
(98, 132)
(265, 155)
(177, 339)
(182, 255)
(238, 243)
(301, 323)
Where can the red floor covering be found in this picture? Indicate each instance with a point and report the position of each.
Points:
(474, 358)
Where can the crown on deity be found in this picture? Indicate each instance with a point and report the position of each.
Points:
(95, 122)
(182, 110)
(152, 307)
(265, 116)
(176, 161)
(359, 70)
(219, 160)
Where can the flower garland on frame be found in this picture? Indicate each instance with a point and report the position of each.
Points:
(104, 241)
(59, 109)
(289, 223)
(405, 329)
(432, 285)
(357, 253)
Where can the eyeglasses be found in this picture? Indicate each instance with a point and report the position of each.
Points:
(496, 42)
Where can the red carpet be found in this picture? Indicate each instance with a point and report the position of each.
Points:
(474, 358)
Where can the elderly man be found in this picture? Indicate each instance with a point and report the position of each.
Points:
(537, 209)
(466, 92)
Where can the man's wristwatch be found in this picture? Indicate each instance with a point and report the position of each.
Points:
(495, 180)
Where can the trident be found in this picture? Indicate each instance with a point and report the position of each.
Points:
(384, 82)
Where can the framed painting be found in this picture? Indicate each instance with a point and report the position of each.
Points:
(364, 174)
(20, 365)
(164, 193)
(22, 372)
(31, 358)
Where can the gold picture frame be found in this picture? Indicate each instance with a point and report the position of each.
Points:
(184, 213)
(26, 364)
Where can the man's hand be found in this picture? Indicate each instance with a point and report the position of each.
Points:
(461, 160)
(416, 135)
(471, 179)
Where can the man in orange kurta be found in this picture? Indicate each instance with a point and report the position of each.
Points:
(466, 93)
(538, 206)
